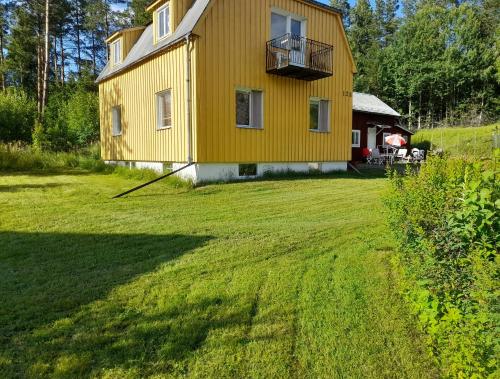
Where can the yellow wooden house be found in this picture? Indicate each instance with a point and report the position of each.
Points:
(238, 88)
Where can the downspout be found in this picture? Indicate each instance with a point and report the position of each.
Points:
(188, 98)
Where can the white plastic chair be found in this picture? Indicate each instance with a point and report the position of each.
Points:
(377, 158)
(418, 155)
(401, 155)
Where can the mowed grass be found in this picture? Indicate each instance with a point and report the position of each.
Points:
(469, 142)
(271, 279)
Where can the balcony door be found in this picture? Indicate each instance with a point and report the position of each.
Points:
(288, 31)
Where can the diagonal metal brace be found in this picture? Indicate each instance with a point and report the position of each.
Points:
(152, 181)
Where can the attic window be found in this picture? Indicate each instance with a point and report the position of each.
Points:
(116, 52)
(163, 21)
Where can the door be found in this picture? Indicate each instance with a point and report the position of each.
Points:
(287, 33)
(298, 46)
(372, 138)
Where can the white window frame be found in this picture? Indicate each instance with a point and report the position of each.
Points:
(385, 134)
(158, 16)
(329, 117)
(250, 109)
(115, 130)
(117, 45)
(358, 133)
(159, 110)
(289, 17)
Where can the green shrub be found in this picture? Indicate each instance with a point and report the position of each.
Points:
(447, 222)
(17, 116)
(71, 121)
(82, 117)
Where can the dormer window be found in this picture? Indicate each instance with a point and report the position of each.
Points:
(163, 23)
(116, 52)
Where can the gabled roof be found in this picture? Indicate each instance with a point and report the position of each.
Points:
(145, 47)
(364, 102)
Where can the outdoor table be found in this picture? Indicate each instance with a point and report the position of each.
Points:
(387, 158)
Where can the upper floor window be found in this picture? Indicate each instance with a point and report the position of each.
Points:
(249, 109)
(283, 23)
(319, 115)
(163, 24)
(164, 109)
(116, 52)
(116, 117)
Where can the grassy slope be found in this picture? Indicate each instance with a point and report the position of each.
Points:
(476, 142)
(266, 279)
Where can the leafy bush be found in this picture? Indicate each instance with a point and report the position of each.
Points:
(82, 117)
(447, 222)
(71, 120)
(17, 116)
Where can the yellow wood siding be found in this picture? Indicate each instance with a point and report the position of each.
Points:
(180, 9)
(135, 90)
(231, 54)
(129, 38)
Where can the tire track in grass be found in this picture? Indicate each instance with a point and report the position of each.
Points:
(296, 367)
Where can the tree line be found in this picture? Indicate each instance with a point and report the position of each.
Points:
(437, 62)
(51, 52)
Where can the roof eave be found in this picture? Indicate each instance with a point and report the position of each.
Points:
(171, 44)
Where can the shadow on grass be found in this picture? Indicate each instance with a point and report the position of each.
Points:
(27, 186)
(48, 277)
(50, 172)
(84, 306)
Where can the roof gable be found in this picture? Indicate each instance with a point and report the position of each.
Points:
(145, 46)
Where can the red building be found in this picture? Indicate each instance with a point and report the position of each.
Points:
(372, 121)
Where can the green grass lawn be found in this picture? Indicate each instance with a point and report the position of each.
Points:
(271, 279)
(472, 141)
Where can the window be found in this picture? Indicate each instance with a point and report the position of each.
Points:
(279, 24)
(356, 138)
(249, 109)
(283, 23)
(384, 136)
(163, 21)
(164, 109)
(116, 52)
(247, 169)
(319, 114)
(116, 115)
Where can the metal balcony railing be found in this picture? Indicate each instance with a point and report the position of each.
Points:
(298, 57)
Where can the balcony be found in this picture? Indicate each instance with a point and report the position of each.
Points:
(298, 57)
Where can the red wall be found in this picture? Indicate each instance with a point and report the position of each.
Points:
(361, 121)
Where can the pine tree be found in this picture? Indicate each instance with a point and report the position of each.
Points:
(23, 48)
(363, 35)
(139, 15)
(342, 5)
(3, 37)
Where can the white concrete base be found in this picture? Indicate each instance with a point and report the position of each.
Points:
(225, 172)
(155, 166)
(213, 172)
